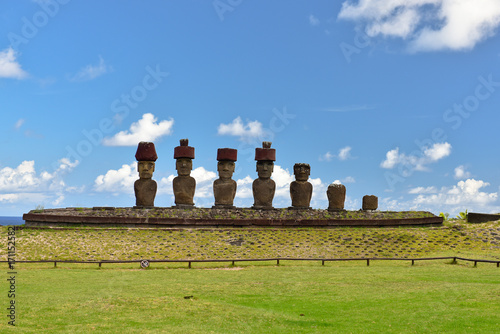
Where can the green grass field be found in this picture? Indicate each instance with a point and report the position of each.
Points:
(295, 297)
(257, 297)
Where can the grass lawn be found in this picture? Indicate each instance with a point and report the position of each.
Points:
(295, 297)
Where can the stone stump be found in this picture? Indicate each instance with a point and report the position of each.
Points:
(370, 203)
(336, 197)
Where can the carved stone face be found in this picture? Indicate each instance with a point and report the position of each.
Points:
(184, 166)
(225, 169)
(265, 169)
(301, 172)
(145, 169)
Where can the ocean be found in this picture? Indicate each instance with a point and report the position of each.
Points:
(11, 221)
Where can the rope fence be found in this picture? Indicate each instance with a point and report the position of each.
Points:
(277, 260)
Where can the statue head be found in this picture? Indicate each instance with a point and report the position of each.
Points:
(301, 171)
(226, 158)
(265, 169)
(145, 169)
(225, 169)
(265, 157)
(184, 166)
(146, 157)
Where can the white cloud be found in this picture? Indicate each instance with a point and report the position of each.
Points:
(20, 178)
(326, 157)
(283, 178)
(24, 198)
(204, 182)
(24, 177)
(246, 132)
(118, 181)
(349, 179)
(23, 184)
(9, 67)
(9, 198)
(422, 190)
(313, 20)
(437, 151)
(464, 195)
(429, 155)
(90, 72)
(19, 123)
(427, 25)
(345, 153)
(461, 173)
(244, 189)
(146, 129)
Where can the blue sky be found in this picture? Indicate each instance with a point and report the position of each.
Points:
(397, 99)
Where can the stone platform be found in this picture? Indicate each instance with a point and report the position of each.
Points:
(159, 217)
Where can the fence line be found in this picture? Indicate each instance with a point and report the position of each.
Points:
(100, 262)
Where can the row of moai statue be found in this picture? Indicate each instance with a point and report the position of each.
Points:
(224, 187)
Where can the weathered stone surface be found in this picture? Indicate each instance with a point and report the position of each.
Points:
(184, 188)
(370, 202)
(230, 154)
(336, 197)
(145, 188)
(145, 192)
(146, 169)
(184, 185)
(266, 153)
(184, 151)
(146, 152)
(224, 186)
(481, 217)
(263, 193)
(301, 189)
(263, 188)
(224, 192)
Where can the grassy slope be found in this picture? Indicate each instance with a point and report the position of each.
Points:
(482, 240)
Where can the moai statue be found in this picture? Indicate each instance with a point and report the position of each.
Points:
(184, 184)
(224, 186)
(145, 187)
(370, 203)
(301, 189)
(263, 187)
(336, 197)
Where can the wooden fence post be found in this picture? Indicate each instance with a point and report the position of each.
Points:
(367, 262)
